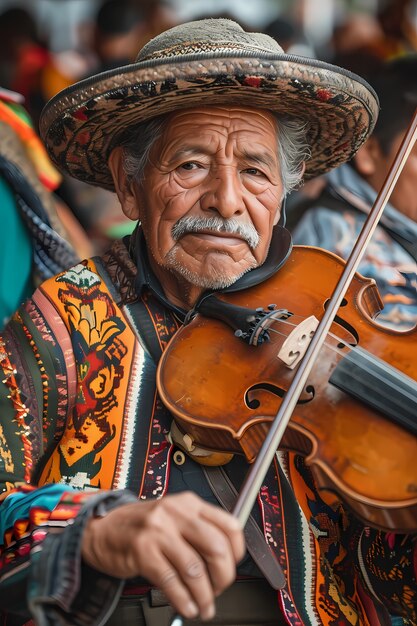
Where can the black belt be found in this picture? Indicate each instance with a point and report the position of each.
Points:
(245, 603)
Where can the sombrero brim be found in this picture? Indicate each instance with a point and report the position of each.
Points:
(80, 125)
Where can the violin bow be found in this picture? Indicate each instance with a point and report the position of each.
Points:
(256, 474)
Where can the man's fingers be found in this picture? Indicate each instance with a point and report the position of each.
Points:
(194, 577)
(202, 550)
(215, 547)
(174, 580)
(230, 526)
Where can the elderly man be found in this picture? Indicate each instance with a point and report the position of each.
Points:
(197, 141)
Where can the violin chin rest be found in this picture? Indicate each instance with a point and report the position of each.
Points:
(185, 442)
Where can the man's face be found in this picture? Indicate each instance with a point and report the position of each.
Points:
(376, 168)
(404, 195)
(211, 195)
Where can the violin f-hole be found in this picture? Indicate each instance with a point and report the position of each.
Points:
(253, 402)
(348, 327)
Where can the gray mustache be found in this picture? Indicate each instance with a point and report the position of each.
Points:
(195, 224)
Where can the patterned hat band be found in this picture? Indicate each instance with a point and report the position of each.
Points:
(208, 63)
(199, 48)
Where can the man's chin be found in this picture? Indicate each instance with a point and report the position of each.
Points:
(209, 274)
(220, 281)
(209, 280)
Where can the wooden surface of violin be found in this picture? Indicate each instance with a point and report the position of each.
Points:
(356, 419)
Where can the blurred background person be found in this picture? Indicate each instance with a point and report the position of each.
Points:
(334, 219)
(292, 39)
(23, 55)
(119, 25)
(38, 234)
(356, 43)
(159, 15)
(398, 19)
(116, 29)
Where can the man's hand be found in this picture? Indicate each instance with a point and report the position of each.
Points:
(181, 544)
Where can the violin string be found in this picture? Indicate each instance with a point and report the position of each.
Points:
(294, 325)
(379, 373)
(369, 357)
(335, 337)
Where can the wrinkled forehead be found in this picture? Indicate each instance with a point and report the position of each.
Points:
(231, 118)
(204, 126)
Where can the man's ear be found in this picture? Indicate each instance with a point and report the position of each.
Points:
(278, 213)
(367, 157)
(124, 188)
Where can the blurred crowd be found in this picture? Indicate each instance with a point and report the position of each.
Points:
(31, 72)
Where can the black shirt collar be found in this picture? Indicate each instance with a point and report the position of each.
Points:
(279, 250)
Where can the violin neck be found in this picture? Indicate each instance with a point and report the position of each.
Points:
(378, 385)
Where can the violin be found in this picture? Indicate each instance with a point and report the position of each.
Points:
(355, 420)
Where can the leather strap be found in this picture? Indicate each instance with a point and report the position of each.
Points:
(226, 494)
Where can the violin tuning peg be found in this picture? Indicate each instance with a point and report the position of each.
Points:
(271, 307)
(259, 309)
(239, 333)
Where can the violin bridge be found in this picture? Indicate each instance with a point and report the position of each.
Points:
(294, 347)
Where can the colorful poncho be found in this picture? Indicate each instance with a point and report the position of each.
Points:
(82, 420)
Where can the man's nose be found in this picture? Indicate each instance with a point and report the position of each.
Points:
(224, 194)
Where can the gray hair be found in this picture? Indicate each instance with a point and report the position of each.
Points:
(293, 149)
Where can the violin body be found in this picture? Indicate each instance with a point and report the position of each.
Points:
(224, 393)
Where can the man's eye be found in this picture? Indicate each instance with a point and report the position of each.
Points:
(253, 171)
(190, 165)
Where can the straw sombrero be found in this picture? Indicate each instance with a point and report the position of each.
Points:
(208, 62)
